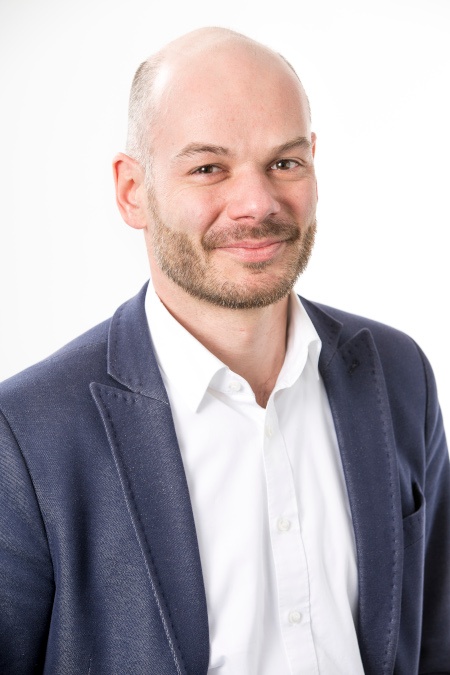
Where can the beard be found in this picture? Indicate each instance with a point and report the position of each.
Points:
(193, 269)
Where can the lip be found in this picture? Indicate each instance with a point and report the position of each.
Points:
(253, 250)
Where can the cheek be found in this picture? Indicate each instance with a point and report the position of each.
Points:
(304, 202)
(192, 211)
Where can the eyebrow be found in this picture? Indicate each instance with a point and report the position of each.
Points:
(193, 149)
(201, 148)
(300, 141)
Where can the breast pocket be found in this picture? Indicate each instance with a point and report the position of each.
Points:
(414, 524)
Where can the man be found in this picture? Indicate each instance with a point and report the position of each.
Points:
(223, 479)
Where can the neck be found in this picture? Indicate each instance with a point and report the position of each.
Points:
(251, 342)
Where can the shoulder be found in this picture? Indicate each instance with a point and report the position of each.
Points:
(59, 385)
(392, 344)
(407, 372)
(82, 359)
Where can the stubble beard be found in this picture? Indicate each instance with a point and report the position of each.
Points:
(195, 273)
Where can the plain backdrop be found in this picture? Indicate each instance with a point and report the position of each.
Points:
(377, 75)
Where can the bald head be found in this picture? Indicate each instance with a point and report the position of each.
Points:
(217, 56)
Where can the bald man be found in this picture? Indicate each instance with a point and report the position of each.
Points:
(224, 478)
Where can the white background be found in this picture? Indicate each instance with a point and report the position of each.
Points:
(377, 74)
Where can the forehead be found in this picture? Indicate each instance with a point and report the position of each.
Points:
(235, 97)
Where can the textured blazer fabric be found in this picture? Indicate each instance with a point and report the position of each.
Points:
(99, 564)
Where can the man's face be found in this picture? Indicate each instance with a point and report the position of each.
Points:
(232, 195)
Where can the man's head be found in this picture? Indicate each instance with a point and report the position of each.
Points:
(220, 169)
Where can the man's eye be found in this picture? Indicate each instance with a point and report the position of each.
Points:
(208, 168)
(285, 164)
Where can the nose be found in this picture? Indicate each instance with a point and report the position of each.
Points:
(252, 197)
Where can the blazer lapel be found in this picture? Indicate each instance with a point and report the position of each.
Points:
(138, 421)
(356, 389)
(141, 434)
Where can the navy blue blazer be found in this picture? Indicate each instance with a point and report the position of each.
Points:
(99, 565)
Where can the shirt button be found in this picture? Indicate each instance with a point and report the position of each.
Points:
(294, 617)
(283, 524)
(235, 386)
(269, 431)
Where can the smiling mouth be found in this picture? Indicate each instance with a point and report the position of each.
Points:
(264, 235)
(253, 250)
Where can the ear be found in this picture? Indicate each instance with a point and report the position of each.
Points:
(313, 143)
(129, 180)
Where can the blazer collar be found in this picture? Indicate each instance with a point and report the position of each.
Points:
(131, 360)
(139, 426)
(355, 383)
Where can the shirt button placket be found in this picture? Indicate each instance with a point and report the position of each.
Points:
(294, 617)
(283, 524)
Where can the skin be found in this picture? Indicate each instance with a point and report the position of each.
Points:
(231, 198)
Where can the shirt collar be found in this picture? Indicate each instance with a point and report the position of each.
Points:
(303, 342)
(182, 359)
(190, 368)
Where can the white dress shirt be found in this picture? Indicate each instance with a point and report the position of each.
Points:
(270, 505)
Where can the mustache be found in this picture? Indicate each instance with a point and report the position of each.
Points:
(280, 229)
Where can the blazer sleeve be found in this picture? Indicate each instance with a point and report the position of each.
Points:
(435, 647)
(26, 572)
